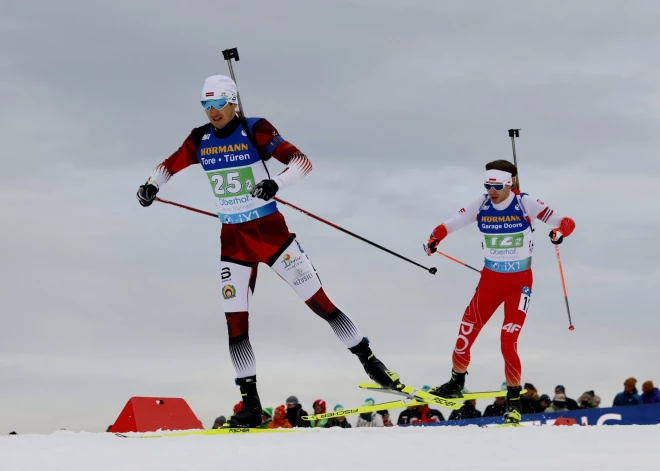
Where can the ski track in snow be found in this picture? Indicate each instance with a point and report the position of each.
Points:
(464, 448)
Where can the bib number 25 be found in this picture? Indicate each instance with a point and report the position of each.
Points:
(232, 183)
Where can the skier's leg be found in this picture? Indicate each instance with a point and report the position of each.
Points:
(295, 267)
(483, 304)
(238, 281)
(516, 306)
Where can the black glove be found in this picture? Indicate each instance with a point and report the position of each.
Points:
(146, 194)
(556, 237)
(265, 189)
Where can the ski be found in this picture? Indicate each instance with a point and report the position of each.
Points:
(503, 425)
(219, 431)
(423, 396)
(365, 409)
(417, 394)
(464, 397)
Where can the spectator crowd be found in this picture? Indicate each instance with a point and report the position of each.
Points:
(290, 414)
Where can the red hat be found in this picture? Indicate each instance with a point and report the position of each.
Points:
(321, 403)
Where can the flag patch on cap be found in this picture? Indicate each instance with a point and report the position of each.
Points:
(209, 93)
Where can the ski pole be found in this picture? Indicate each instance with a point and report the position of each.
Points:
(425, 247)
(431, 270)
(513, 133)
(563, 285)
(161, 200)
(228, 55)
(457, 261)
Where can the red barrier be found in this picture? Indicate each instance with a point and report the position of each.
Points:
(149, 414)
(565, 421)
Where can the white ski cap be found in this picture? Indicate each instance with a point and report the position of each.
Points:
(218, 86)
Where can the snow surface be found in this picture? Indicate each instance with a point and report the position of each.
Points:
(458, 448)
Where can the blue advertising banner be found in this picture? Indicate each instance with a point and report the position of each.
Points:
(647, 414)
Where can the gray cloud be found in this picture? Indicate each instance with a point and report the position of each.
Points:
(399, 107)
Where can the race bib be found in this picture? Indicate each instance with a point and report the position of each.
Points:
(505, 241)
(232, 182)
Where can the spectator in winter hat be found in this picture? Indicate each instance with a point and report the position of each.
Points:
(497, 408)
(386, 418)
(219, 422)
(468, 411)
(407, 415)
(266, 417)
(319, 408)
(558, 404)
(294, 412)
(570, 403)
(530, 391)
(651, 394)
(370, 419)
(544, 402)
(629, 396)
(588, 400)
(338, 421)
(238, 406)
(425, 415)
(530, 400)
(279, 418)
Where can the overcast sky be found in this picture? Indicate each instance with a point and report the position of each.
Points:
(399, 105)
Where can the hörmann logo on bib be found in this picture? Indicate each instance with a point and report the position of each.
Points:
(222, 149)
(513, 218)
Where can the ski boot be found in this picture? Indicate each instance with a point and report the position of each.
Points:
(513, 408)
(374, 367)
(250, 413)
(452, 388)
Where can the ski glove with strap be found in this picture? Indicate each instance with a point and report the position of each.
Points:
(265, 190)
(565, 229)
(146, 194)
(437, 235)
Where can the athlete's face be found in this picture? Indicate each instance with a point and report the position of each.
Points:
(497, 196)
(220, 118)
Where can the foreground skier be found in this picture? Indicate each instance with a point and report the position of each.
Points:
(233, 153)
(503, 217)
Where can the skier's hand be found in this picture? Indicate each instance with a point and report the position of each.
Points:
(432, 245)
(146, 194)
(437, 235)
(265, 190)
(565, 229)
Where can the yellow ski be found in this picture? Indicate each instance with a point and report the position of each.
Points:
(423, 396)
(220, 431)
(365, 409)
(416, 394)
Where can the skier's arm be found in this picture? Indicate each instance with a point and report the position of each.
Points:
(465, 216)
(186, 155)
(183, 157)
(270, 141)
(541, 211)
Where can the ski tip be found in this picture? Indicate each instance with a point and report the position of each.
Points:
(370, 386)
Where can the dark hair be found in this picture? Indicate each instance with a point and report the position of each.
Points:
(503, 165)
